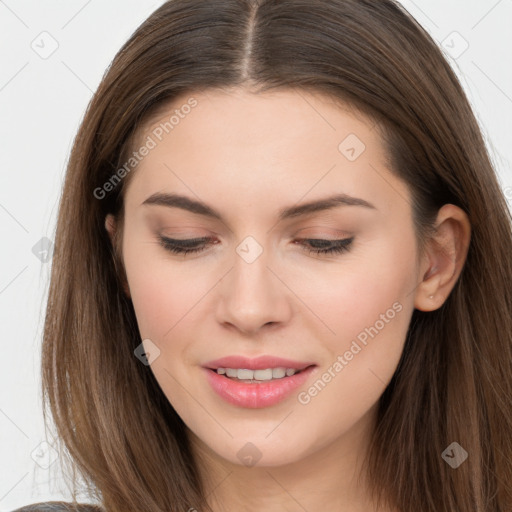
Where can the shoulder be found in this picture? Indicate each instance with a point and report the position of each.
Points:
(59, 506)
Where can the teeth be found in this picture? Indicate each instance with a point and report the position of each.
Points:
(279, 373)
(249, 375)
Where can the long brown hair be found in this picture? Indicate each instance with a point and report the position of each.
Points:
(454, 380)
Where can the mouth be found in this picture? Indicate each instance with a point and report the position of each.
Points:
(248, 376)
(256, 383)
(264, 362)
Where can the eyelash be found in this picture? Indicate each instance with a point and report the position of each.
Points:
(176, 246)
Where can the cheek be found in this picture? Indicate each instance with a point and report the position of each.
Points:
(368, 288)
(367, 305)
(159, 294)
(364, 353)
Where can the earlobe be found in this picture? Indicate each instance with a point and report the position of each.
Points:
(444, 259)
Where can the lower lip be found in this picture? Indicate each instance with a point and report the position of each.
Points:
(258, 394)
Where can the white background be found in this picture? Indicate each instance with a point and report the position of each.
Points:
(42, 101)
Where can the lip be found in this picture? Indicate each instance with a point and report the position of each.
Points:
(257, 363)
(256, 395)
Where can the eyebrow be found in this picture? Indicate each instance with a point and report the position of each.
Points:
(200, 208)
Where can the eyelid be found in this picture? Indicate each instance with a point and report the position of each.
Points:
(184, 247)
(322, 231)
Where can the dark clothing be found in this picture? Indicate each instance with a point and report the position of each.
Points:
(59, 506)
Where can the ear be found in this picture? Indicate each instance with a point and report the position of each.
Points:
(444, 258)
(111, 227)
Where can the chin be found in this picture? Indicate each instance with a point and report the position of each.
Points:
(259, 452)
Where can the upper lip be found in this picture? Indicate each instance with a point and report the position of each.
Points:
(257, 363)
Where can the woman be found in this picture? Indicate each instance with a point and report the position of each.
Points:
(282, 274)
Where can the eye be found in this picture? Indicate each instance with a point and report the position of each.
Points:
(183, 246)
(319, 246)
(314, 245)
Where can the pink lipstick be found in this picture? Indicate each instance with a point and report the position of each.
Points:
(258, 382)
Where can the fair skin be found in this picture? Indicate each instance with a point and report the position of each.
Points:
(248, 156)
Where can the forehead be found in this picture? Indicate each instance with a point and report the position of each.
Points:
(275, 146)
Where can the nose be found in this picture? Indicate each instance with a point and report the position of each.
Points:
(252, 296)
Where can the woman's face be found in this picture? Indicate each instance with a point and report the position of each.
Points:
(254, 288)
